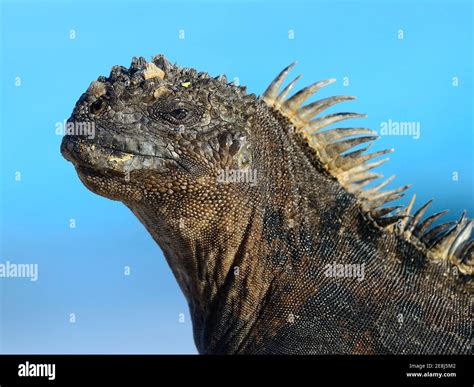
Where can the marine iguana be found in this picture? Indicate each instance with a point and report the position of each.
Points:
(264, 214)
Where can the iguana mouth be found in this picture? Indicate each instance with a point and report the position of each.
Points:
(102, 154)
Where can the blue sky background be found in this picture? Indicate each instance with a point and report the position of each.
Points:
(81, 268)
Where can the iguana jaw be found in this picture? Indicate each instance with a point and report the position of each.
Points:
(104, 155)
(114, 173)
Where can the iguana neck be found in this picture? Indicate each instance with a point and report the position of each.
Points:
(210, 257)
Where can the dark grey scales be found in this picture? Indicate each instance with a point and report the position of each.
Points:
(251, 258)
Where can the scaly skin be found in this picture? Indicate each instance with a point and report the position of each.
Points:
(251, 258)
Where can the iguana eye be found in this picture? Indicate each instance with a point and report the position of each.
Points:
(179, 114)
(174, 113)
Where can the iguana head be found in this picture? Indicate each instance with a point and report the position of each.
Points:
(158, 130)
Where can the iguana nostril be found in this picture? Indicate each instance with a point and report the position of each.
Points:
(98, 106)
